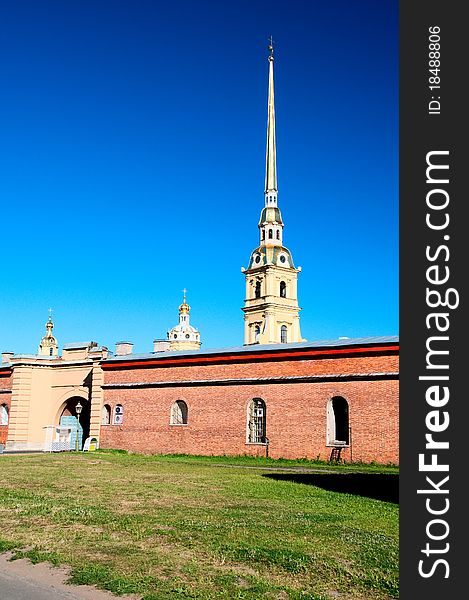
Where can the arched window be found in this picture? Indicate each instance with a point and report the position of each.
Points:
(51, 351)
(256, 421)
(257, 332)
(179, 413)
(3, 414)
(106, 415)
(338, 422)
(118, 417)
(278, 234)
(283, 289)
(271, 234)
(263, 235)
(283, 334)
(258, 289)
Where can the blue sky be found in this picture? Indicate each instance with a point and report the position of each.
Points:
(132, 162)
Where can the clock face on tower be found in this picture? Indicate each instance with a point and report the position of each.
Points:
(283, 260)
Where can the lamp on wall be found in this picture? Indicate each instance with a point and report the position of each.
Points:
(78, 409)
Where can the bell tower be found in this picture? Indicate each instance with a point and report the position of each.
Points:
(271, 311)
(48, 345)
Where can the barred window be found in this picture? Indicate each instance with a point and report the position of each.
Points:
(257, 421)
(179, 413)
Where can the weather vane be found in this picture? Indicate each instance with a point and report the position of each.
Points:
(271, 46)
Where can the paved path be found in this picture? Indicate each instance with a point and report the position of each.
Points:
(21, 580)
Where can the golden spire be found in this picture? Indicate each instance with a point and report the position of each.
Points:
(49, 325)
(270, 155)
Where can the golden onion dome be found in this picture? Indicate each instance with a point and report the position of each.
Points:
(184, 308)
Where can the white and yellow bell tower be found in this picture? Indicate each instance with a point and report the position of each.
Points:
(48, 345)
(271, 311)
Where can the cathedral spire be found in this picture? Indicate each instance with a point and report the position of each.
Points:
(271, 311)
(271, 151)
(270, 222)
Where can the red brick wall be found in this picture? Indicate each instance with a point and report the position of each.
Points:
(5, 398)
(323, 366)
(296, 412)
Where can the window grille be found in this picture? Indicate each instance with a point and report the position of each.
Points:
(257, 421)
(179, 413)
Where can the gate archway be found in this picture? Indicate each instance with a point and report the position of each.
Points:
(67, 417)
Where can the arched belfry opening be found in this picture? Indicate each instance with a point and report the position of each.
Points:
(257, 292)
(68, 418)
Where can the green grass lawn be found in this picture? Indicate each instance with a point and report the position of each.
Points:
(186, 527)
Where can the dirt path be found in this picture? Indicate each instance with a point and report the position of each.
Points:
(22, 580)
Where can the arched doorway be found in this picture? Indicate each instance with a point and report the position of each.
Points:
(68, 418)
(338, 422)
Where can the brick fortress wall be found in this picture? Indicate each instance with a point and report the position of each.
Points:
(218, 396)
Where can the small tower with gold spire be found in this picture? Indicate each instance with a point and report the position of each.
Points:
(48, 345)
(184, 336)
(271, 311)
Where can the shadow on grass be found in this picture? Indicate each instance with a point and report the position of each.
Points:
(372, 485)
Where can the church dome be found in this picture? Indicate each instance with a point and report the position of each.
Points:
(48, 345)
(271, 255)
(184, 335)
(270, 214)
(184, 308)
(182, 328)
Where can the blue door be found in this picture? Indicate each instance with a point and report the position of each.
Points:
(71, 421)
